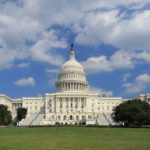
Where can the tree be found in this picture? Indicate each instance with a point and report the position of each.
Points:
(132, 113)
(21, 113)
(5, 115)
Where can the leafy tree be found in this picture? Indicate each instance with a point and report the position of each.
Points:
(132, 113)
(21, 113)
(5, 115)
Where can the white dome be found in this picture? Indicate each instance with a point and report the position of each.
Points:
(73, 65)
(71, 76)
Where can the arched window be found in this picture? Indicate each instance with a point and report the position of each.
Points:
(89, 117)
(71, 117)
(83, 117)
(59, 117)
(65, 117)
(77, 117)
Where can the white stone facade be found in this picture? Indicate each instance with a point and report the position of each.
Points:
(72, 103)
(144, 97)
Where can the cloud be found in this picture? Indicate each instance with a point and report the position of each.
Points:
(31, 38)
(101, 92)
(123, 30)
(27, 27)
(121, 59)
(23, 65)
(54, 71)
(143, 78)
(53, 74)
(96, 64)
(25, 82)
(140, 83)
(44, 49)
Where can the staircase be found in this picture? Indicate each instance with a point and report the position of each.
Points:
(102, 120)
(37, 120)
(109, 118)
(28, 120)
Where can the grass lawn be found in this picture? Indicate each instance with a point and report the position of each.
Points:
(74, 138)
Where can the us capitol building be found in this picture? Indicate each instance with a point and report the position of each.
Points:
(73, 102)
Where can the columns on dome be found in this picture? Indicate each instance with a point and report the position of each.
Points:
(71, 86)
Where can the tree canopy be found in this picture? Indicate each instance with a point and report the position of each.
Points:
(132, 113)
(5, 115)
(21, 113)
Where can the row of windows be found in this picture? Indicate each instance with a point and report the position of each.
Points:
(71, 75)
(34, 103)
(34, 108)
(71, 117)
(105, 108)
(108, 103)
(67, 110)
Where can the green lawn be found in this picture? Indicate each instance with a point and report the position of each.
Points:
(74, 138)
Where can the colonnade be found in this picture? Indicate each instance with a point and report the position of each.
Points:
(16, 105)
(71, 86)
(70, 104)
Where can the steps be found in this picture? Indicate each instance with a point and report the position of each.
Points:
(32, 120)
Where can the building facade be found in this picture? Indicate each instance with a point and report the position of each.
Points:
(73, 102)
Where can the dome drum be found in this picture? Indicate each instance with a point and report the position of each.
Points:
(71, 86)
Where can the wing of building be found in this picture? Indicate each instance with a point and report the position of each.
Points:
(73, 102)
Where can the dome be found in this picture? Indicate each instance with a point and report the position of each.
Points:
(73, 65)
(71, 76)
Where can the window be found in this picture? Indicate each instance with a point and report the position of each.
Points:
(60, 100)
(77, 117)
(89, 117)
(71, 104)
(107, 107)
(67, 101)
(71, 117)
(76, 103)
(82, 102)
(59, 118)
(64, 118)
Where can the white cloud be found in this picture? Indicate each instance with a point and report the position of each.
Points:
(25, 82)
(143, 78)
(122, 30)
(44, 49)
(52, 74)
(52, 71)
(97, 64)
(141, 82)
(27, 21)
(23, 65)
(121, 59)
(101, 92)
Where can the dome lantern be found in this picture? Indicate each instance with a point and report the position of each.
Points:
(72, 54)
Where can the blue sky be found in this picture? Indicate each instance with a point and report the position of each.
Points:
(111, 40)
